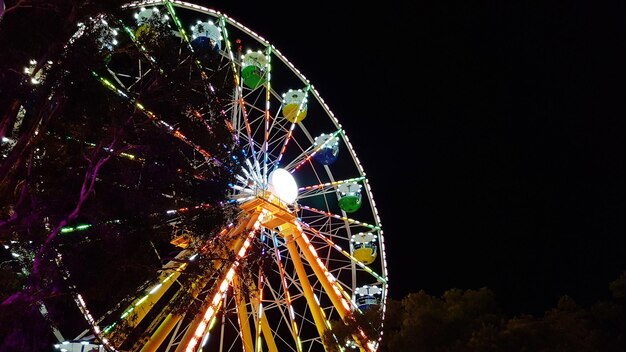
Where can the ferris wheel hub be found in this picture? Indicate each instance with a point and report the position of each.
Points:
(283, 185)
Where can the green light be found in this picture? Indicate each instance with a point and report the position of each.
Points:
(181, 30)
(130, 33)
(108, 328)
(129, 156)
(127, 312)
(69, 229)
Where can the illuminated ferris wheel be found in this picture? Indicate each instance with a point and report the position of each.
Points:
(306, 246)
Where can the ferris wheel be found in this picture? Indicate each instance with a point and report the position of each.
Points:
(305, 246)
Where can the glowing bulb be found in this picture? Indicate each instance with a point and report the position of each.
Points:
(283, 185)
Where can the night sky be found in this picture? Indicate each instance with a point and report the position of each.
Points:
(493, 136)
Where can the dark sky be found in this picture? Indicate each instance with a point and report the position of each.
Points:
(493, 135)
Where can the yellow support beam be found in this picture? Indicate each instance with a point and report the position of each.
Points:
(332, 288)
(234, 241)
(265, 326)
(161, 333)
(242, 312)
(200, 323)
(333, 292)
(267, 333)
(140, 307)
(288, 231)
(256, 212)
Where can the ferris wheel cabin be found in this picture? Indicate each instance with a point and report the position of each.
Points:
(295, 106)
(253, 65)
(350, 194)
(367, 297)
(206, 38)
(328, 148)
(364, 247)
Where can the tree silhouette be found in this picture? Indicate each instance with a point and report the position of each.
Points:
(470, 321)
(89, 174)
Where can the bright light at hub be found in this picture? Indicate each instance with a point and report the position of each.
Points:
(283, 185)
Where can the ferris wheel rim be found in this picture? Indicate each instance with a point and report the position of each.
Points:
(317, 96)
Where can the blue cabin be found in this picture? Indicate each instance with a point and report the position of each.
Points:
(327, 147)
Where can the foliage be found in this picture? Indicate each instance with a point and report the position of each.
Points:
(343, 333)
(439, 324)
(82, 154)
(470, 321)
